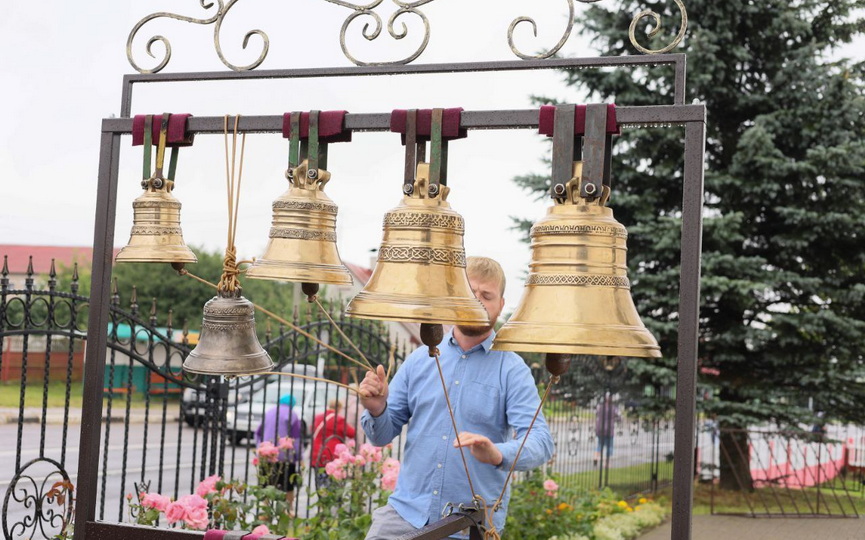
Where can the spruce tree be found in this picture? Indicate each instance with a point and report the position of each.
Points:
(783, 276)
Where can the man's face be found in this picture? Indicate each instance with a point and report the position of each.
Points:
(489, 294)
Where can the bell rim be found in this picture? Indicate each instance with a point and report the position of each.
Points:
(594, 350)
(205, 358)
(127, 254)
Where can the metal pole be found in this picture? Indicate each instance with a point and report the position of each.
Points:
(689, 311)
(97, 334)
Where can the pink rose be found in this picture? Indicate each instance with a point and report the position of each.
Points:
(255, 461)
(360, 461)
(194, 501)
(551, 487)
(196, 518)
(370, 453)
(175, 512)
(155, 501)
(268, 452)
(286, 443)
(260, 530)
(388, 480)
(208, 485)
(390, 464)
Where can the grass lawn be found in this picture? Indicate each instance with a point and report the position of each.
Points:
(777, 501)
(622, 480)
(10, 395)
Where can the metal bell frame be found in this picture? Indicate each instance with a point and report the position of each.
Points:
(691, 116)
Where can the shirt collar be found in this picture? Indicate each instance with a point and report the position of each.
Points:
(486, 345)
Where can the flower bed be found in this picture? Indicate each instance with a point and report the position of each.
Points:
(540, 510)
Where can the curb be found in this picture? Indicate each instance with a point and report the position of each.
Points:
(74, 418)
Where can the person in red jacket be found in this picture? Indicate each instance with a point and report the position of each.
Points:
(329, 430)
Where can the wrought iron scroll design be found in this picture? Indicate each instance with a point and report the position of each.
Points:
(632, 31)
(47, 498)
(366, 10)
(374, 25)
(217, 19)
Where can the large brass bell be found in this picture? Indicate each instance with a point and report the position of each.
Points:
(577, 296)
(228, 344)
(420, 275)
(302, 245)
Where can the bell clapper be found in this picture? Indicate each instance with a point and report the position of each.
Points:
(310, 290)
(431, 335)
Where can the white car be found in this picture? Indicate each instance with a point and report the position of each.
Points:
(311, 398)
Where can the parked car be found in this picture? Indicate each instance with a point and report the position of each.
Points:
(193, 404)
(311, 398)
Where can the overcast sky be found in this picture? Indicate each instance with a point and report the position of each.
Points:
(62, 68)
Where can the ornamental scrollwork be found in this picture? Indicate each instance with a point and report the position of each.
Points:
(217, 18)
(373, 25)
(366, 10)
(645, 14)
(46, 499)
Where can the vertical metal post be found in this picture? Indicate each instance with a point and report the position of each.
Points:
(689, 311)
(97, 333)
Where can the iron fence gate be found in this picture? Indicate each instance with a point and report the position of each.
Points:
(164, 431)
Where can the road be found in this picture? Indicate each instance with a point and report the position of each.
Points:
(172, 462)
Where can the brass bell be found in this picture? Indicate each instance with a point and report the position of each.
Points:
(228, 344)
(420, 275)
(302, 245)
(156, 235)
(577, 296)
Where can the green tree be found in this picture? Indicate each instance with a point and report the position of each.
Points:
(183, 295)
(783, 254)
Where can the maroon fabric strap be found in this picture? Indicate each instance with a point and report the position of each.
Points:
(177, 134)
(331, 126)
(451, 119)
(548, 112)
(214, 534)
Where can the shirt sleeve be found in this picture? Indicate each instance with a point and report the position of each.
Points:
(382, 429)
(521, 402)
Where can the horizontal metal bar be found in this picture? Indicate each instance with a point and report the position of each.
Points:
(503, 119)
(410, 69)
(678, 60)
(100, 530)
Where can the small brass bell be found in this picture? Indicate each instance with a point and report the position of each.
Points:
(156, 235)
(302, 245)
(228, 344)
(577, 296)
(420, 275)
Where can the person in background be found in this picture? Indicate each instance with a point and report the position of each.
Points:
(606, 417)
(281, 426)
(329, 429)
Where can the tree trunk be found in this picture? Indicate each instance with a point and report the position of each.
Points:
(735, 466)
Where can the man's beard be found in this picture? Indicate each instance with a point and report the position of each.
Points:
(475, 331)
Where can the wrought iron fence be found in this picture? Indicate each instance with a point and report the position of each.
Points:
(784, 473)
(165, 431)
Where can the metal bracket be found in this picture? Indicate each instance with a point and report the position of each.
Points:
(411, 151)
(563, 149)
(596, 149)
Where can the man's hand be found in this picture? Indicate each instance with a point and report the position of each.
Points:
(483, 449)
(373, 391)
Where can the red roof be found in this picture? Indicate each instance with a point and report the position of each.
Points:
(18, 256)
(363, 274)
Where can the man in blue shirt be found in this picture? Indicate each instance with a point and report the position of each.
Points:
(494, 399)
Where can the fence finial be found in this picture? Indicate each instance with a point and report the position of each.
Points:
(28, 282)
(52, 276)
(4, 280)
(133, 301)
(115, 293)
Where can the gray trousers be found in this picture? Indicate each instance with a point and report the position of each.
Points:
(387, 524)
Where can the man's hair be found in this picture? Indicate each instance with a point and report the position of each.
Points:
(486, 269)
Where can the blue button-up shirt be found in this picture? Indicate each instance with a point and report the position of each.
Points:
(492, 394)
